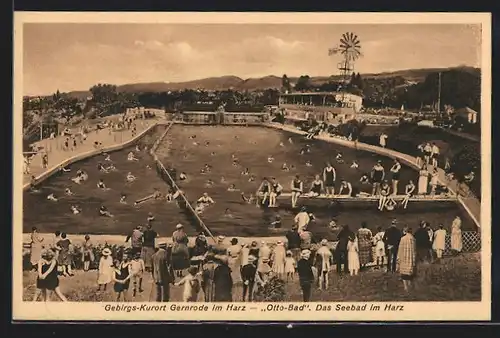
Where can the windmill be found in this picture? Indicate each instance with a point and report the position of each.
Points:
(350, 50)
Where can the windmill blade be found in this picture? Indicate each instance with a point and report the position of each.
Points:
(351, 36)
(344, 41)
(345, 36)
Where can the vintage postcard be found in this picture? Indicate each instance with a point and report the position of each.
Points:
(252, 167)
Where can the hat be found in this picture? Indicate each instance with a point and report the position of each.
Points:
(251, 259)
(179, 226)
(161, 244)
(254, 244)
(221, 238)
(106, 252)
(279, 243)
(305, 253)
(303, 208)
(324, 241)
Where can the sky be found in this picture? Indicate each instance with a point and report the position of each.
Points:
(75, 56)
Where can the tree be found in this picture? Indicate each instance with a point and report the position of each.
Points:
(303, 83)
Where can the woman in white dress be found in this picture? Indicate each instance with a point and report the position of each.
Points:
(456, 235)
(353, 256)
(278, 259)
(423, 180)
(439, 241)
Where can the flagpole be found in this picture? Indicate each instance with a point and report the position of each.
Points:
(439, 94)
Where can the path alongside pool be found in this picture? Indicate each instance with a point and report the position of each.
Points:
(471, 204)
(57, 155)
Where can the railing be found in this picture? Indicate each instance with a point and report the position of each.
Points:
(165, 175)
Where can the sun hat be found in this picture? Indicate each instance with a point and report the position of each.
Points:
(251, 259)
(221, 237)
(324, 241)
(47, 252)
(279, 243)
(179, 226)
(106, 252)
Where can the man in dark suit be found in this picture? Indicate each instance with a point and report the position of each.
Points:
(392, 237)
(162, 272)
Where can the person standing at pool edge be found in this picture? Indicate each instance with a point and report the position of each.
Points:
(329, 176)
(297, 189)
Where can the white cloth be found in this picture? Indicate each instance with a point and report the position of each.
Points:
(302, 219)
(106, 270)
(439, 239)
(456, 235)
(353, 256)
(326, 257)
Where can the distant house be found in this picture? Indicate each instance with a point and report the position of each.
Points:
(467, 113)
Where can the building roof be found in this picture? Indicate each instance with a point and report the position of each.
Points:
(318, 93)
(465, 110)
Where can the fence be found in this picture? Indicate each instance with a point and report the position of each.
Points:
(167, 177)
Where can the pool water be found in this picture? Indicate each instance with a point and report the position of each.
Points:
(50, 216)
(252, 146)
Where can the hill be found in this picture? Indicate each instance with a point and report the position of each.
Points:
(271, 81)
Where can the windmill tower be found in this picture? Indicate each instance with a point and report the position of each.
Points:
(350, 50)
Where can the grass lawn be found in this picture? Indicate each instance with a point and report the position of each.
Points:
(252, 146)
(454, 279)
(50, 216)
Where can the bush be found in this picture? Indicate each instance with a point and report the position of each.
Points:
(273, 291)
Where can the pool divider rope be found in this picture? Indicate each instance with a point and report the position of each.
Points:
(165, 175)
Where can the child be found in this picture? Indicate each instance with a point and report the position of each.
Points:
(191, 285)
(290, 266)
(137, 269)
(105, 272)
(248, 272)
(378, 242)
(122, 277)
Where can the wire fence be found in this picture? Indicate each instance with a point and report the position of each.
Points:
(166, 176)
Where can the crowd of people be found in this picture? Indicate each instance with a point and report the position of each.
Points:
(216, 269)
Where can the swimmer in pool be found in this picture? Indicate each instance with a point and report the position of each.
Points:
(111, 167)
(234, 157)
(209, 183)
(131, 157)
(290, 140)
(276, 224)
(103, 211)
(232, 188)
(148, 167)
(137, 148)
(130, 177)
(75, 210)
(251, 178)
(101, 168)
(308, 163)
(365, 179)
(52, 197)
(213, 153)
(245, 172)
(282, 144)
(207, 143)
(339, 158)
(248, 200)
(270, 159)
(222, 179)
(236, 163)
(123, 199)
(302, 151)
(107, 157)
(68, 192)
(196, 143)
(354, 165)
(285, 167)
(65, 170)
(192, 137)
(183, 176)
(101, 185)
(227, 213)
